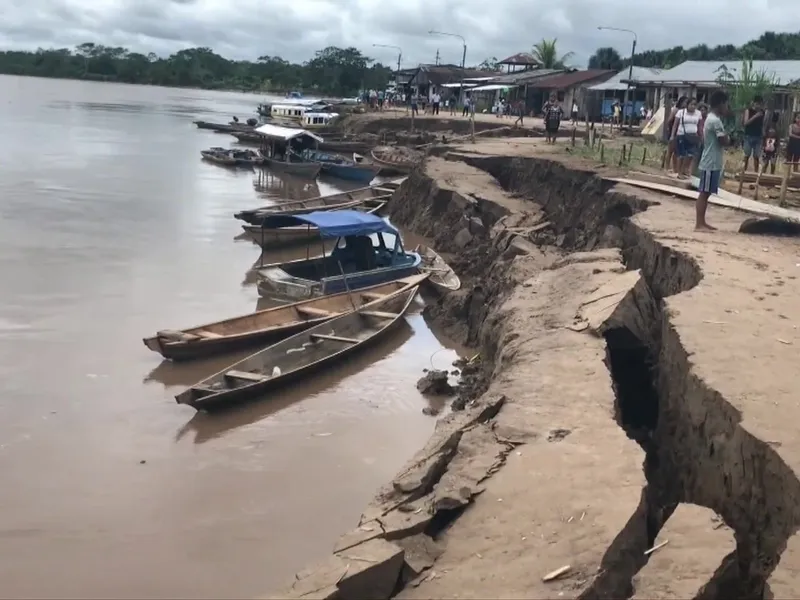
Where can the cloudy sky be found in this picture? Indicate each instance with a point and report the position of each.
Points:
(294, 29)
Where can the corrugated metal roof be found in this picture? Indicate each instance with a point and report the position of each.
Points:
(520, 58)
(616, 82)
(523, 77)
(701, 71)
(567, 80)
(284, 133)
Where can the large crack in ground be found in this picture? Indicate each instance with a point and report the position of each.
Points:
(695, 449)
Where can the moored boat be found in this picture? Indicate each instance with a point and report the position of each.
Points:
(283, 147)
(368, 251)
(338, 200)
(270, 238)
(266, 326)
(442, 275)
(300, 355)
(341, 167)
(218, 156)
(395, 160)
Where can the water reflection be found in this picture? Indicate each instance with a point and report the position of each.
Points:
(284, 186)
(206, 427)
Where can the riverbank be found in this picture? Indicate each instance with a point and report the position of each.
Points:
(631, 369)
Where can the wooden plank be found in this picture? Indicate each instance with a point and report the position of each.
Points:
(209, 335)
(372, 296)
(245, 375)
(314, 312)
(334, 338)
(379, 314)
(172, 335)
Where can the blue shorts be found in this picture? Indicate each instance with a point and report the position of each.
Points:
(709, 182)
(684, 146)
(752, 146)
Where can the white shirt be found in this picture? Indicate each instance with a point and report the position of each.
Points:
(436, 98)
(574, 107)
(687, 122)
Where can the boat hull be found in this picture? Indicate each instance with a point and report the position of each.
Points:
(310, 170)
(275, 282)
(350, 172)
(309, 355)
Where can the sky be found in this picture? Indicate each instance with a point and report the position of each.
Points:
(294, 29)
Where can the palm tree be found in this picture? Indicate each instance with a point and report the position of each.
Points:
(545, 53)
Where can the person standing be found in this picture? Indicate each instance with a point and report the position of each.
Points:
(436, 100)
(769, 152)
(414, 105)
(520, 110)
(553, 114)
(574, 113)
(753, 121)
(465, 112)
(672, 157)
(793, 147)
(684, 130)
(711, 162)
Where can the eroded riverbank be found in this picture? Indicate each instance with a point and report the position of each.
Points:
(630, 365)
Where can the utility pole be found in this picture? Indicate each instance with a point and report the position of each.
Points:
(437, 57)
(630, 69)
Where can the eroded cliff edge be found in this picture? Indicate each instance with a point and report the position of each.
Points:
(628, 366)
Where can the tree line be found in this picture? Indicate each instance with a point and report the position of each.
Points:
(332, 71)
(770, 46)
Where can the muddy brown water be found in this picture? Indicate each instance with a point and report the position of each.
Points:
(111, 227)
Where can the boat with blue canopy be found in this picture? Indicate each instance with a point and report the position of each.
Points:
(368, 251)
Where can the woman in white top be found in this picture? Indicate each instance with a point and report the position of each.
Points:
(686, 136)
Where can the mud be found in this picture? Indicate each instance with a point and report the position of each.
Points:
(587, 425)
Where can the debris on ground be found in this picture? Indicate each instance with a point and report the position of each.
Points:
(435, 383)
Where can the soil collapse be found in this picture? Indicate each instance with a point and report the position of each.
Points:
(630, 431)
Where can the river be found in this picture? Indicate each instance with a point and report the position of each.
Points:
(111, 227)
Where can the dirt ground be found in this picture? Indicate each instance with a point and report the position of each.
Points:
(635, 367)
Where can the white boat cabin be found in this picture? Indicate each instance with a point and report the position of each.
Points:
(288, 111)
(318, 119)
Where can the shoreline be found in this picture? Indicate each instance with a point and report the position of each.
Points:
(629, 377)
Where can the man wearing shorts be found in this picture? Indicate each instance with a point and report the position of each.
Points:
(753, 121)
(712, 160)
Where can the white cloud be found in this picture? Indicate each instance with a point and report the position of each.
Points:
(295, 29)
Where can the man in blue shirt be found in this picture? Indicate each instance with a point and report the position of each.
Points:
(711, 162)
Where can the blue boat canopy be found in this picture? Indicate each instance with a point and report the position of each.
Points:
(333, 224)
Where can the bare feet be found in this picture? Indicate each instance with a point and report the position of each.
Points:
(704, 227)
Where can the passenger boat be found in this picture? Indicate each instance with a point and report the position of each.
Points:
(442, 275)
(368, 251)
(300, 355)
(382, 190)
(337, 165)
(266, 326)
(282, 237)
(283, 147)
(392, 160)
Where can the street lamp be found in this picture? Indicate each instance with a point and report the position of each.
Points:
(630, 66)
(399, 53)
(463, 42)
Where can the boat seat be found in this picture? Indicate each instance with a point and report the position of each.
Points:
(334, 338)
(176, 336)
(245, 375)
(370, 296)
(379, 314)
(314, 312)
(209, 335)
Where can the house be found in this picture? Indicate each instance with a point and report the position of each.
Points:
(698, 78)
(522, 61)
(568, 86)
(603, 95)
(428, 79)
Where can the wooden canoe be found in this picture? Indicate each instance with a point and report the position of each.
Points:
(393, 161)
(300, 355)
(442, 275)
(218, 158)
(378, 191)
(299, 208)
(265, 326)
(282, 237)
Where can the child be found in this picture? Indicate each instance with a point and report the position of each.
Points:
(770, 151)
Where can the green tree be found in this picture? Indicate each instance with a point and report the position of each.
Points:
(606, 58)
(743, 85)
(546, 55)
(489, 64)
(339, 70)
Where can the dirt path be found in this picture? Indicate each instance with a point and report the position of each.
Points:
(631, 366)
